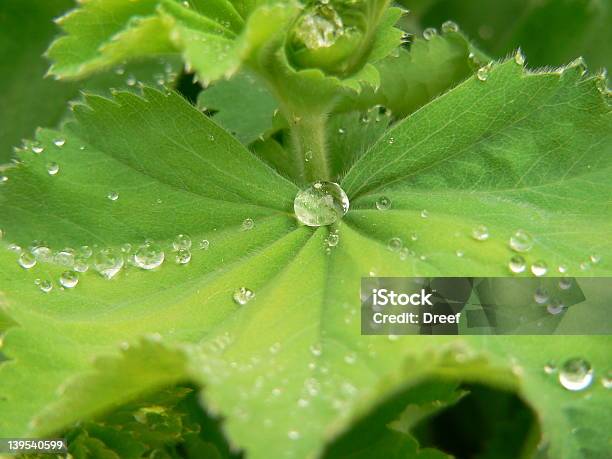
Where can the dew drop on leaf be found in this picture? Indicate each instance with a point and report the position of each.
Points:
(37, 149)
(293, 435)
(243, 295)
(539, 268)
(541, 295)
(321, 204)
(204, 244)
(247, 224)
(69, 279)
(383, 203)
(429, 33)
(576, 374)
(595, 258)
(480, 233)
(517, 264)
(27, 260)
(424, 213)
(52, 168)
(562, 269)
(606, 381)
(42, 252)
(65, 257)
(521, 241)
(565, 284)
(183, 256)
(460, 253)
(519, 57)
(3, 179)
(550, 368)
(113, 195)
(483, 73)
(149, 256)
(450, 26)
(45, 285)
(59, 142)
(394, 244)
(181, 241)
(555, 307)
(108, 262)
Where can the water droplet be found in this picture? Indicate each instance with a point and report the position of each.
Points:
(483, 72)
(243, 295)
(247, 224)
(394, 244)
(595, 258)
(562, 269)
(606, 381)
(149, 256)
(391, 140)
(585, 266)
(429, 33)
(565, 283)
(14, 248)
(308, 155)
(316, 350)
(113, 195)
(323, 203)
(204, 244)
(80, 264)
(424, 213)
(332, 239)
(576, 374)
(69, 279)
(131, 80)
(59, 142)
(550, 368)
(341, 131)
(183, 256)
(85, 251)
(52, 168)
(460, 253)
(517, 264)
(450, 26)
(521, 241)
(519, 57)
(181, 241)
(65, 257)
(45, 285)
(555, 307)
(27, 260)
(383, 203)
(541, 295)
(42, 252)
(38, 149)
(293, 435)
(350, 358)
(319, 27)
(480, 233)
(539, 268)
(3, 179)
(108, 263)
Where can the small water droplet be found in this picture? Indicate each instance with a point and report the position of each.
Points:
(350, 358)
(394, 244)
(424, 213)
(52, 168)
(555, 307)
(69, 279)
(539, 268)
(14, 248)
(595, 258)
(391, 140)
(576, 374)
(316, 350)
(38, 149)
(517, 264)
(45, 285)
(181, 241)
(450, 26)
(383, 203)
(59, 142)
(429, 33)
(519, 57)
(521, 241)
(131, 80)
(85, 251)
(27, 260)
(332, 239)
(112, 195)
(562, 269)
(183, 256)
(3, 179)
(585, 266)
(247, 224)
(308, 155)
(293, 435)
(341, 131)
(108, 263)
(204, 244)
(541, 295)
(323, 203)
(565, 283)
(606, 381)
(550, 368)
(243, 295)
(149, 256)
(480, 233)
(483, 72)
(460, 253)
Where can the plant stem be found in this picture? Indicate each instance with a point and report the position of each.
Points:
(308, 136)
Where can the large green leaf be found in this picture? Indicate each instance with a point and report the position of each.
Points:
(515, 150)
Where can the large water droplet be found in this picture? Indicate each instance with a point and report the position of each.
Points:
(576, 374)
(108, 262)
(521, 241)
(383, 203)
(243, 295)
(27, 260)
(480, 233)
(319, 28)
(181, 241)
(69, 279)
(52, 168)
(42, 252)
(149, 256)
(517, 264)
(323, 203)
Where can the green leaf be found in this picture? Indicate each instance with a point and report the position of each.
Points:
(541, 28)
(242, 104)
(291, 359)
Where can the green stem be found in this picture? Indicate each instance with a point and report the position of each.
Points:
(308, 137)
